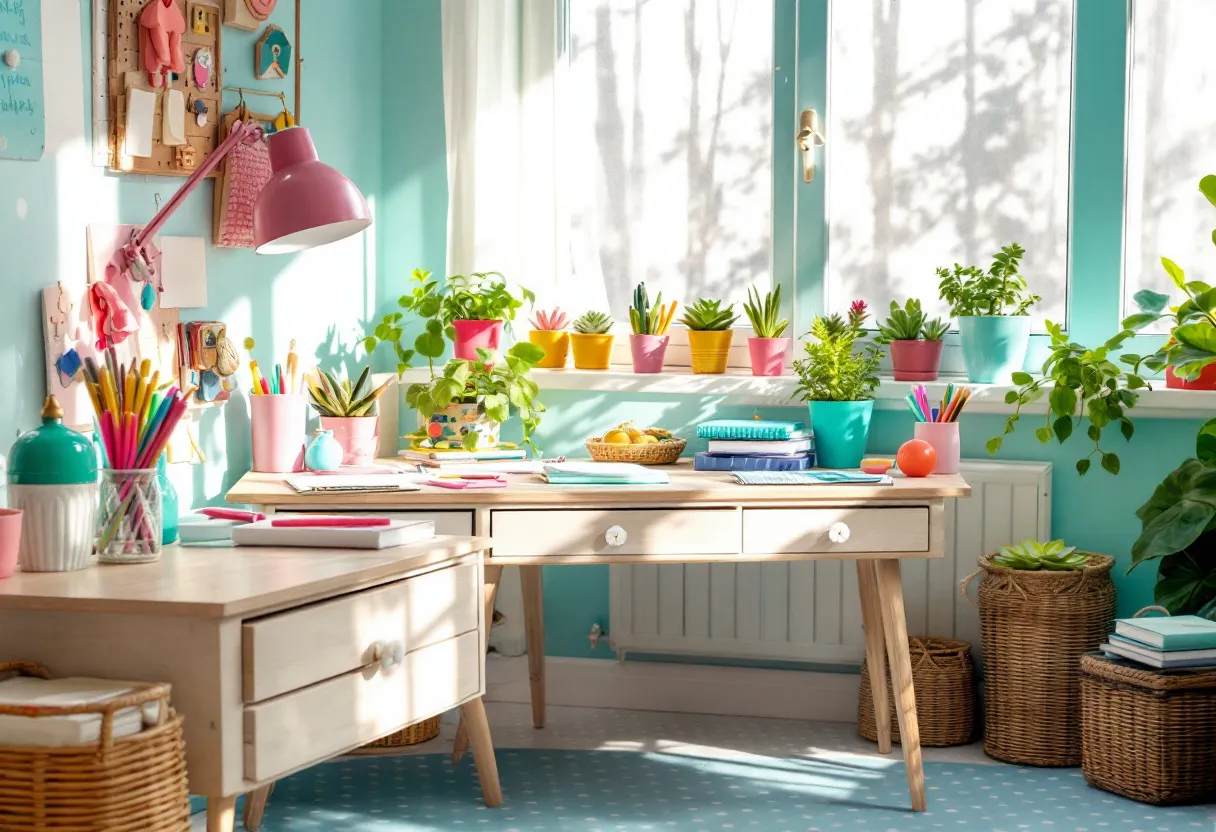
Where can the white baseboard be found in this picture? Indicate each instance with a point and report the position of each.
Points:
(680, 688)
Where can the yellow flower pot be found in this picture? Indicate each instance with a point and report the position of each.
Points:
(710, 349)
(556, 345)
(591, 351)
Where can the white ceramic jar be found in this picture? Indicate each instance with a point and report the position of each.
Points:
(58, 526)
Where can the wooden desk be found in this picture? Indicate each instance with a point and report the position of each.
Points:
(272, 653)
(701, 517)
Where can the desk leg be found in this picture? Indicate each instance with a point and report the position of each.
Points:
(255, 806)
(473, 715)
(534, 628)
(493, 574)
(221, 814)
(891, 594)
(876, 656)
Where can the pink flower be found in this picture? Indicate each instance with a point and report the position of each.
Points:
(858, 312)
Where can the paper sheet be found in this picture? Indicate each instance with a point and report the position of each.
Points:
(141, 116)
(173, 121)
(183, 272)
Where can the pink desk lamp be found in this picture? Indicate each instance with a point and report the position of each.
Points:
(305, 204)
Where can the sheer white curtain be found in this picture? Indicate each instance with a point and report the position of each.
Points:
(501, 86)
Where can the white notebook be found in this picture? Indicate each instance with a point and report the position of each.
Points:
(76, 729)
(396, 533)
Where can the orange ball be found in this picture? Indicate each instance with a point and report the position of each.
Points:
(916, 458)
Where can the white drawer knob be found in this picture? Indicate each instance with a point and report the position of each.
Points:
(390, 655)
(838, 533)
(615, 536)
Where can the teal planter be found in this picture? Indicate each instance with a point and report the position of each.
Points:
(994, 346)
(840, 430)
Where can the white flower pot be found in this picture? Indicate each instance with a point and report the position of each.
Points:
(59, 524)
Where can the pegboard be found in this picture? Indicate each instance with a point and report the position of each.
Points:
(126, 70)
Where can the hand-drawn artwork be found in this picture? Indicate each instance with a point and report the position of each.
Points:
(272, 55)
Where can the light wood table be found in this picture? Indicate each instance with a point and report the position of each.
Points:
(700, 517)
(279, 658)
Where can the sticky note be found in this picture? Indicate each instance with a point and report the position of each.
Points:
(173, 120)
(141, 116)
(183, 272)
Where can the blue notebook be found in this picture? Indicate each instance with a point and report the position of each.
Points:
(759, 462)
(749, 429)
(1178, 632)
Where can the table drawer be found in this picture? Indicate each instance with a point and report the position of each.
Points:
(293, 649)
(796, 530)
(446, 522)
(646, 532)
(334, 716)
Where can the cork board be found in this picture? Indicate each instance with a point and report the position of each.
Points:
(126, 70)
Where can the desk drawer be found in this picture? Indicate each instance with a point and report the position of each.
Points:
(646, 532)
(334, 716)
(293, 649)
(805, 531)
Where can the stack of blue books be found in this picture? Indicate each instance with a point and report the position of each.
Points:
(1181, 641)
(752, 445)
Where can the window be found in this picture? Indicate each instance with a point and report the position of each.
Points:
(948, 135)
(1169, 138)
(668, 118)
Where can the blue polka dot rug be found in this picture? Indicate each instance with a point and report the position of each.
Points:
(581, 791)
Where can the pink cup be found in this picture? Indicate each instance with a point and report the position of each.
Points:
(648, 352)
(358, 436)
(943, 436)
(278, 424)
(10, 540)
(768, 355)
(474, 335)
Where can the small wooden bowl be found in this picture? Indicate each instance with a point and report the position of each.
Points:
(663, 452)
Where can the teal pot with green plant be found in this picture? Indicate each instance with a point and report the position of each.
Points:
(841, 430)
(994, 346)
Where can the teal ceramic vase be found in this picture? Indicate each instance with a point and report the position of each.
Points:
(323, 452)
(841, 429)
(994, 346)
(168, 503)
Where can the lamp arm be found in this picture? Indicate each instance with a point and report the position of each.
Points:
(241, 132)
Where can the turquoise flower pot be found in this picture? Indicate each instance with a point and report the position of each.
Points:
(994, 346)
(841, 429)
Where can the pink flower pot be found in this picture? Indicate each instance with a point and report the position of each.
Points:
(358, 435)
(474, 335)
(768, 355)
(648, 352)
(915, 360)
(10, 540)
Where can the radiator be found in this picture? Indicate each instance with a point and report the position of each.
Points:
(809, 611)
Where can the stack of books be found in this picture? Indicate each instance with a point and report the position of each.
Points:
(752, 445)
(602, 473)
(1181, 641)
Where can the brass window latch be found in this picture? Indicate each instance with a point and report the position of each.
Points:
(808, 138)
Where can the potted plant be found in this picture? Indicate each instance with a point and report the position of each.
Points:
(915, 341)
(839, 382)
(991, 308)
(768, 349)
(347, 410)
(424, 299)
(465, 404)
(1190, 317)
(477, 307)
(592, 341)
(648, 343)
(709, 334)
(549, 333)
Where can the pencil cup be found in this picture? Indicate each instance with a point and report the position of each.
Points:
(943, 436)
(278, 424)
(129, 517)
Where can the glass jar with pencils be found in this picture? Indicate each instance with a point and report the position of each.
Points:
(129, 519)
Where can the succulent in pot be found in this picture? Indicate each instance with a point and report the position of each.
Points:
(915, 341)
(768, 348)
(347, 410)
(648, 341)
(548, 333)
(709, 334)
(592, 341)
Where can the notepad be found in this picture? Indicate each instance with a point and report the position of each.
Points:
(352, 484)
(602, 473)
(397, 533)
(810, 478)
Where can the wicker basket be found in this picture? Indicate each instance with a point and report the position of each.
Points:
(414, 734)
(1035, 627)
(663, 452)
(130, 784)
(1147, 735)
(945, 694)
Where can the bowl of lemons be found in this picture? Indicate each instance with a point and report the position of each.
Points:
(645, 446)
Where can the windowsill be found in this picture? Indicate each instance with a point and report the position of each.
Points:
(739, 386)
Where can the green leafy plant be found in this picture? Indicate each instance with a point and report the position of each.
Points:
(903, 324)
(499, 385)
(331, 397)
(1081, 383)
(935, 330)
(424, 299)
(999, 291)
(481, 296)
(1032, 555)
(833, 370)
(765, 315)
(1192, 343)
(593, 323)
(707, 315)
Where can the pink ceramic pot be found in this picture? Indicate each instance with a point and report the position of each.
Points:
(10, 540)
(915, 360)
(648, 352)
(768, 355)
(474, 335)
(358, 435)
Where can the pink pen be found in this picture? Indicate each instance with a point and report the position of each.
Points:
(314, 522)
(232, 514)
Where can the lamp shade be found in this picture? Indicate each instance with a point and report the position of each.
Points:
(306, 203)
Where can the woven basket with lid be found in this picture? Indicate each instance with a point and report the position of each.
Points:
(944, 680)
(1035, 626)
